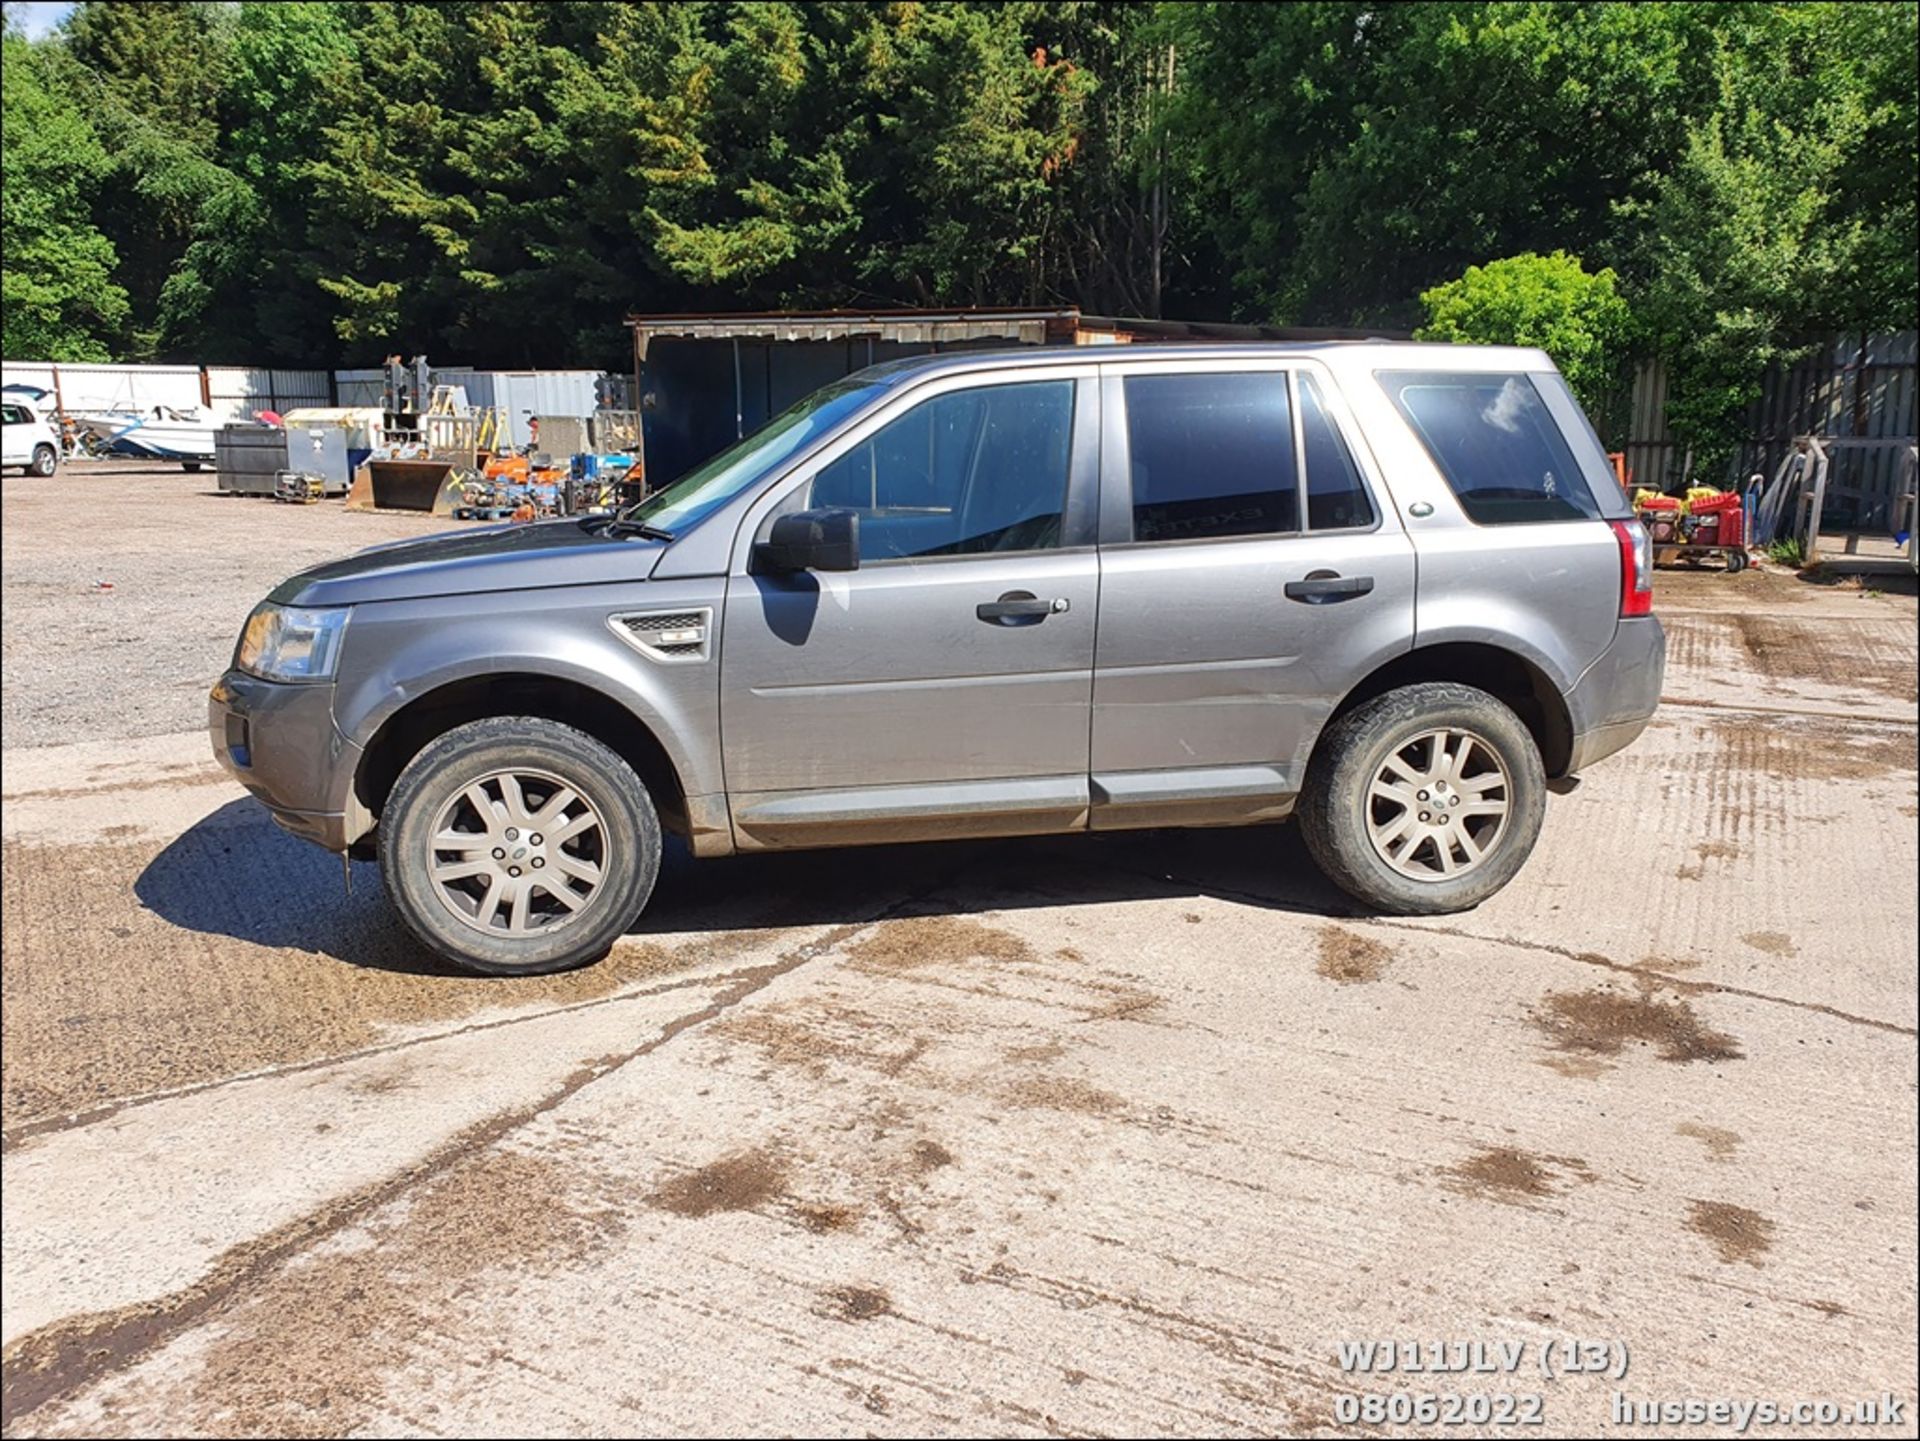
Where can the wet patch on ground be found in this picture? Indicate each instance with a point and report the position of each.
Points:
(1774, 943)
(1805, 749)
(744, 1181)
(1350, 959)
(1736, 1233)
(1506, 1173)
(858, 1303)
(1603, 1023)
(1721, 1143)
(916, 941)
(1796, 654)
(1062, 1093)
(814, 1038)
(822, 1218)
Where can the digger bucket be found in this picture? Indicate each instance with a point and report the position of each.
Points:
(422, 485)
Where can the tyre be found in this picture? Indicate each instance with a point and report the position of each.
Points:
(44, 461)
(1736, 560)
(1424, 800)
(516, 846)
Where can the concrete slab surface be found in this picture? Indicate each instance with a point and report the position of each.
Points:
(1119, 1134)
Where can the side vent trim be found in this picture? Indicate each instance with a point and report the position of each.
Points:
(672, 637)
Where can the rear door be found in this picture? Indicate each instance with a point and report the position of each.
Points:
(1251, 574)
(1514, 495)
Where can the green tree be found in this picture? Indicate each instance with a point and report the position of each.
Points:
(149, 75)
(58, 299)
(246, 286)
(1358, 154)
(1783, 218)
(1549, 301)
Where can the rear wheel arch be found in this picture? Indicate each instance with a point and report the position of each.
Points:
(1519, 684)
(417, 724)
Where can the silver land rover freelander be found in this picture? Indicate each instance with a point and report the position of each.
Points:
(1393, 588)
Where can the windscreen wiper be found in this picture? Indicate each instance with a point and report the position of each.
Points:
(620, 525)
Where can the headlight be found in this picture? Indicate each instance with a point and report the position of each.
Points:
(282, 643)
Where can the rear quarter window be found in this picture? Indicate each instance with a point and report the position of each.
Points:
(1496, 443)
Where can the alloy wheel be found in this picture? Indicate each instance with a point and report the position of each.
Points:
(518, 853)
(1438, 805)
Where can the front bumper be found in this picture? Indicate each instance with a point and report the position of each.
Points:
(280, 742)
(1619, 693)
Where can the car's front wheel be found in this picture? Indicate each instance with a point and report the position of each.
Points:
(1424, 800)
(44, 461)
(515, 846)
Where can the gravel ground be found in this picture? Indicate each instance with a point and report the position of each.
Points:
(186, 563)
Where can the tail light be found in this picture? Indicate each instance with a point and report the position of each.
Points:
(1636, 568)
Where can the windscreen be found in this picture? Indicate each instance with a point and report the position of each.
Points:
(704, 489)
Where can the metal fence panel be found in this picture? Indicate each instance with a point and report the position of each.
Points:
(1860, 388)
(116, 387)
(355, 388)
(237, 392)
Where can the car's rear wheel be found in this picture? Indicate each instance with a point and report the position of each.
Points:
(515, 846)
(44, 461)
(1424, 800)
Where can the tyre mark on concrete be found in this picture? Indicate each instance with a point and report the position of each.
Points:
(57, 1361)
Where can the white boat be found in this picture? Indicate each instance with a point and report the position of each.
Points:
(161, 433)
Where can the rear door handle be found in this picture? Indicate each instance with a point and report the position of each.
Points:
(1323, 587)
(1019, 607)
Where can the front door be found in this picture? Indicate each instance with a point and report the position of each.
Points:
(944, 687)
(1251, 576)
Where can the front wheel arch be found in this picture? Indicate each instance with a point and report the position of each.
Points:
(420, 722)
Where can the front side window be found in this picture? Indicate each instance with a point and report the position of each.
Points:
(969, 472)
(1495, 442)
(1211, 455)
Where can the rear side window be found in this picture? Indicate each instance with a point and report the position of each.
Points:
(1496, 444)
(12, 415)
(1212, 455)
(1336, 498)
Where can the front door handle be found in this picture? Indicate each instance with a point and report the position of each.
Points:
(1019, 607)
(1324, 587)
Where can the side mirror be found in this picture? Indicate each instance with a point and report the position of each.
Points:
(811, 540)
